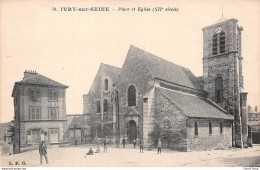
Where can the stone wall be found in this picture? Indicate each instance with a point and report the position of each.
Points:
(100, 123)
(204, 140)
(227, 65)
(133, 72)
(148, 118)
(169, 124)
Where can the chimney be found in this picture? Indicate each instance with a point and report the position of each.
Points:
(249, 108)
(256, 108)
(29, 73)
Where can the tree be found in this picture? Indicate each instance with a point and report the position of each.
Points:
(11, 129)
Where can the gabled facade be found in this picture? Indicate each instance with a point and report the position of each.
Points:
(98, 105)
(40, 110)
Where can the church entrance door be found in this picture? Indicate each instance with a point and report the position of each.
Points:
(132, 131)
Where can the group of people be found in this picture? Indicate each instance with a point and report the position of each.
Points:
(159, 146)
(91, 152)
(43, 148)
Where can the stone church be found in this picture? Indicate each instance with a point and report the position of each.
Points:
(150, 98)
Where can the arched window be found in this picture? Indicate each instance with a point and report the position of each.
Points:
(222, 42)
(105, 105)
(98, 106)
(196, 129)
(215, 44)
(219, 89)
(210, 128)
(131, 96)
(106, 84)
(221, 127)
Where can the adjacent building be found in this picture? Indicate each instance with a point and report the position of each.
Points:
(40, 110)
(254, 122)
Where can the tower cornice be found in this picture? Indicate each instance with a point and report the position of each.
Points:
(220, 23)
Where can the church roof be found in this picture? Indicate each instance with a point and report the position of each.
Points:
(112, 71)
(194, 106)
(165, 70)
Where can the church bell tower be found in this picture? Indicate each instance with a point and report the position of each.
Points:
(222, 70)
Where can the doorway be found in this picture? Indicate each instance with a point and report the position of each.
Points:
(54, 135)
(36, 136)
(132, 131)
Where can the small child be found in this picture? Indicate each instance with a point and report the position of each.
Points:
(97, 150)
(90, 152)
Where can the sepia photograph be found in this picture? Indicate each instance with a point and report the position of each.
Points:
(116, 83)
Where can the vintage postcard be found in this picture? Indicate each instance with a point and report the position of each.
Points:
(130, 83)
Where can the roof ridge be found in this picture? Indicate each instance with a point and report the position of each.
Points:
(181, 92)
(158, 57)
(110, 65)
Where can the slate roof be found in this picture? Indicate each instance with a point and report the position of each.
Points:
(41, 80)
(38, 79)
(112, 71)
(193, 106)
(166, 70)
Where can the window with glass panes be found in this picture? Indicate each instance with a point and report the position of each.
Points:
(35, 113)
(53, 113)
(34, 94)
(53, 95)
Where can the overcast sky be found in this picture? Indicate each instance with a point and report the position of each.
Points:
(68, 47)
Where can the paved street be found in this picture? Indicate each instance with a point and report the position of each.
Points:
(74, 156)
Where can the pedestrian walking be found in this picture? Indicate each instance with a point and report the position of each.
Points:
(76, 143)
(159, 146)
(141, 146)
(43, 152)
(105, 145)
(134, 142)
(123, 142)
(117, 143)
